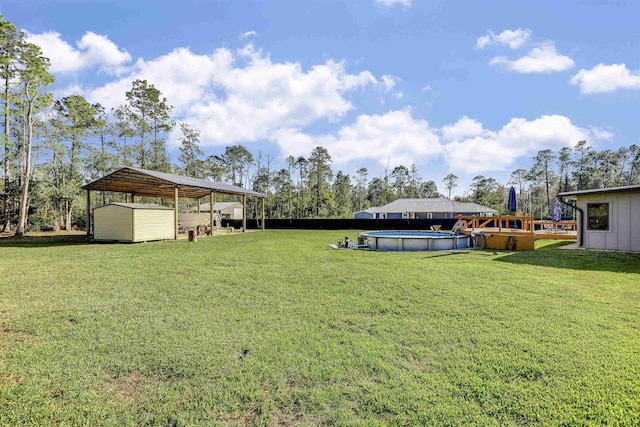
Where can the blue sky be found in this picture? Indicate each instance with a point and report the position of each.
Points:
(464, 87)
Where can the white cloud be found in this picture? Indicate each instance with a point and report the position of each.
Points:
(482, 150)
(91, 50)
(388, 82)
(391, 3)
(466, 146)
(606, 78)
(395, 136)
(248, 34)
(463, 128)
(542, 59)
(513, 38)
(242, 96)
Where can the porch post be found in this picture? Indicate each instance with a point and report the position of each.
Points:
(175, 212)
(244, 213)
(88, 212)
(263, 214)
(211, 213)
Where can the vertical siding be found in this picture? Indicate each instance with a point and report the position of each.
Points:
(237, 213)
(112, 223)
(624, 228)
(153, 224)
(634, 220)
(623, 221)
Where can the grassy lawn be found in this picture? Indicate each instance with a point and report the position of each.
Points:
(275, 328)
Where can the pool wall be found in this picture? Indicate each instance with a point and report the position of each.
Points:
(413, 241)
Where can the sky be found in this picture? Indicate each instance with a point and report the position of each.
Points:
(469, 87)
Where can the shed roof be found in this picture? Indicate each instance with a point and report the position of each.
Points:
(440, 204)
(137, 206)
(219, 206)
(627, 188)
(147, 183)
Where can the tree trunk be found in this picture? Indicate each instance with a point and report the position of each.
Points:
(24, 197)
(6, 226)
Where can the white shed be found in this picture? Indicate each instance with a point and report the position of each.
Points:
(608, 217)
(133, 222)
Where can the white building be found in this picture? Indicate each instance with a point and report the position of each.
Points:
(607, 218)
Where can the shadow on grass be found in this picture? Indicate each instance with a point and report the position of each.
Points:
(614, 262)
(446, 253)
(43, 241)
(554, 245)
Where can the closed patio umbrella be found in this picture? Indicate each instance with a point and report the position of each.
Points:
(556, 215)
(512, 205)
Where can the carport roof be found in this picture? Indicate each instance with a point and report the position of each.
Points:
(147, 183)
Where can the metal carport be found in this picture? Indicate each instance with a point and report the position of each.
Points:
(147, 183)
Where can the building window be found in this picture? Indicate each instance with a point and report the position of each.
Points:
(429, 215)
(597, 216)
(405, 215)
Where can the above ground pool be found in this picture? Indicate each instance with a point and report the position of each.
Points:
(413, 240)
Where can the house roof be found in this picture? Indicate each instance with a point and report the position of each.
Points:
(147, 183)
(441, 204)
(137, 206)
(573, 194)
(220, 206)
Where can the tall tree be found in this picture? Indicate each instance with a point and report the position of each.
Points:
(564, 166)
(125, 130)
(33, 78)
(428, 189)
(151, 119)
(190, 152)
(237, 160)
(291, 163)
(487, 192)
(541, 169)
(342, 195)
(303, 178)
(520, 178)
(414, 184)
(75, 119)
(450, 182)
(400, 176)
(10, 43)
(361, 188)
(582, 164)
(320, 174)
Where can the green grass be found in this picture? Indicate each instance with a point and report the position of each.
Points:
(275, 328)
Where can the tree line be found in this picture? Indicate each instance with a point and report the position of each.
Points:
(51, 147)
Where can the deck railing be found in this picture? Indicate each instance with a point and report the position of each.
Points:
(522, 223)
(550, 227)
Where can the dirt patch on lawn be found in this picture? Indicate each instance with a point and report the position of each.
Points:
(126, 389)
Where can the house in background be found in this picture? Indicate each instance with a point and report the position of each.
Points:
(607, 217)
(227, 210)
(436, 208)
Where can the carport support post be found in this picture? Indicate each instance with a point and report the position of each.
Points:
(175, 212)
(88, 213)
(211, 224)
(244, 213)
(263, 214)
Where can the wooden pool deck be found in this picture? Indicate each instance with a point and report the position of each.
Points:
(516, 232)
